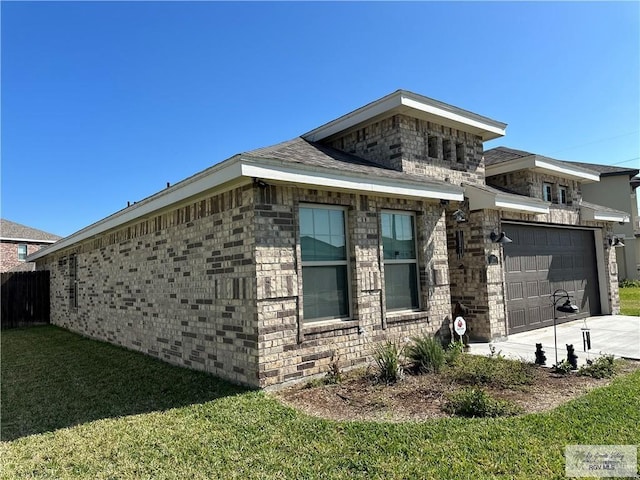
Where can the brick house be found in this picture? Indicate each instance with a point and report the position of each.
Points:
(264, 267)
(17, 242)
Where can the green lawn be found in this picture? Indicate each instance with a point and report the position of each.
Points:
(630, 301)
(75, 408)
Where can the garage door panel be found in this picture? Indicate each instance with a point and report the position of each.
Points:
(541, 260)
(517, 319)
(532, 289)
(515, 291)
(513, 264)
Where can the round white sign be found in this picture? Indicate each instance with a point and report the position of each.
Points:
(460, 326)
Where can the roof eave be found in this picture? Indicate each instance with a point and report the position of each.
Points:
(25, 240)
(242, 169)
(480, 199)
(419, 106)
(535, 163)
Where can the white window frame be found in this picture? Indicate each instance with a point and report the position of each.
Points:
(328, 263)
(21, 257)
(563, 191)
(406, 261)
(547, 192)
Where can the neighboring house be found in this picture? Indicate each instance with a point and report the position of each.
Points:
(617, 189)
(377, 225)
(17, 242)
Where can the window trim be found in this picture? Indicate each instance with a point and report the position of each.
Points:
(26, 252)
(563, 189)
(405, 261)
(547, 191)
(327, 263)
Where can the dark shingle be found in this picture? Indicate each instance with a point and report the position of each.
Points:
(302, 152)
(9, 229)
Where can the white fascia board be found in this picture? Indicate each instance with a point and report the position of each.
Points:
(25, 240)
(533, 162)
(207, 180)
(237, 168)
(494, 130)
(567, 171)
(603, 216)
(482, 199)
(349, 181)
(520, 205)
(402, 100)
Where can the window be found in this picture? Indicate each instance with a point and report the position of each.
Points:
(325, 284)
(546, 192)
(400, 261)
(460, 152)
(22, 252)
(73, 280)
(446, 150)
(562, 195)
(433, 146)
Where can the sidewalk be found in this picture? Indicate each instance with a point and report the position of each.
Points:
(618, 335)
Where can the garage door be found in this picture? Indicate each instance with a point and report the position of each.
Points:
(541, 260)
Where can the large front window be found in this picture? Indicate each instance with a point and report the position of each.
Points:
(325, 285)
(400, 261)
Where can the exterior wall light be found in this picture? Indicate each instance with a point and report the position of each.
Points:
(459, 216)
(500, 238)
(614, 241)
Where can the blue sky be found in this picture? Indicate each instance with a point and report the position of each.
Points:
(105, 102)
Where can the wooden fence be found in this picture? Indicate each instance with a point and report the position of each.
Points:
(24, 299)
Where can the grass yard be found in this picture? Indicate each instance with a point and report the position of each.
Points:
(76, 408)
(630, 301)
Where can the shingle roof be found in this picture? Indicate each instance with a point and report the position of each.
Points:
(608, 170)
(505, 154)
(303, 152)
(9, 230)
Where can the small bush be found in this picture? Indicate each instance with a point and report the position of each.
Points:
(627, 283)
(563, 368)
(601, 367)
(334, 375)
(454, 350)
(388, 357)
(475, 402)
(499, 372)
(426, 354)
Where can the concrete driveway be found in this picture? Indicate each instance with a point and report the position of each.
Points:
(618, 335)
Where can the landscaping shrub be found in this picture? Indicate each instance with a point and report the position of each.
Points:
(426, 354)
(388, 357)
(627, 283)
(453, 351)
(601, 367)
(496, 371)
(475, 402)
(563, 368)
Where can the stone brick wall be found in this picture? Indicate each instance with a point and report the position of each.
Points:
(529, 183)
(9, 256)
(479, 286)
(418, 147)
(292, 349)
(179, 286)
